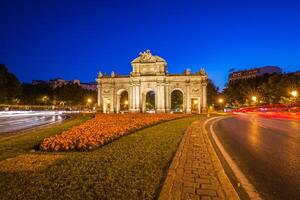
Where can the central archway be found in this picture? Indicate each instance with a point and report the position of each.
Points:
(124, 104)
(177, 101)
(149, 99)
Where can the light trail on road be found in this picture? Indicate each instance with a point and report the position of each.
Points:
(266, 150)
(19, 120)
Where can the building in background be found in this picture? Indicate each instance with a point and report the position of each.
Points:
(59, 82)
(252, 73)
(36, 82)
(89, 86)
(297, 73)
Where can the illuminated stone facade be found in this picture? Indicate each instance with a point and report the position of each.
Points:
(149, 74)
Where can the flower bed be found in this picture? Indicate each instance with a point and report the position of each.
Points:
(101, 130)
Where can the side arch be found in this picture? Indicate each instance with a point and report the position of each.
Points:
(122, 100)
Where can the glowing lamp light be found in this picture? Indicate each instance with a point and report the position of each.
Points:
(254, 98)
(107, 101)
(195, 101)
(45, 98)
(220, 100)
(89, 100)
(126, 102)
(294, 93)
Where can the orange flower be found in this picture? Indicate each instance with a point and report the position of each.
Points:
(102, 129)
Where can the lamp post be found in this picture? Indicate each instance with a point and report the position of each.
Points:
(221, 103)
(89, 101)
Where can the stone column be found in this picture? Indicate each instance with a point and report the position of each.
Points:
(167, 97)
(188, 98)
(118, 103)
(99, 96)
(143, 102)
(160, 106)
(204, 97)
(104, 107)
(136, 97)
(112, 100)
(156, 100)
(130, 98)
(133, 97)
(199, 105)
(163, 98)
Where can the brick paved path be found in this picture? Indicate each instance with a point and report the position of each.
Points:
(196, 172)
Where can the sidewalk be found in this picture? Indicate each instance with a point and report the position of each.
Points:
(196, 172)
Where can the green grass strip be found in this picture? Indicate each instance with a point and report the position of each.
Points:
(132, 167)
(19, 144)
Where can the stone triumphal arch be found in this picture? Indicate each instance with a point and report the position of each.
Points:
(150, 87)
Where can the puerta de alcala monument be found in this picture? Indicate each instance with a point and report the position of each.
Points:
(149, 75)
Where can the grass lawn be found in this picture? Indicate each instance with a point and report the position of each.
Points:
(16, 145)
(132, 167)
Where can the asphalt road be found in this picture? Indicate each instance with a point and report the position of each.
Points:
(266, 150)
(14, 122)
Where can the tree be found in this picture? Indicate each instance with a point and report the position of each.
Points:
(269, 89)
(212, 93)
(73, 95)
(36, 94)
(10, 87)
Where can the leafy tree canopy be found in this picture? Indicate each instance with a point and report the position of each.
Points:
(10, 88)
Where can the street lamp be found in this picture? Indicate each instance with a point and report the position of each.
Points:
(294, 93)
(89, 101)
(45, 99)
(221, 102)
(254, 98)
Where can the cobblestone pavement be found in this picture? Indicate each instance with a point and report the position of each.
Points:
(196, 172)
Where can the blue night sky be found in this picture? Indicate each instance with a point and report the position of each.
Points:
(75, 39)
